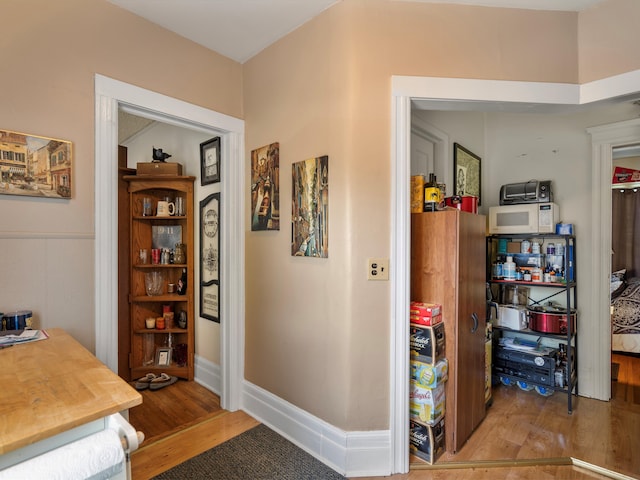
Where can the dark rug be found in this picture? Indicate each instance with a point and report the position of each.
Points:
(615, 368)
(259, 453)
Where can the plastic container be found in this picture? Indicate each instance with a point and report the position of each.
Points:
(509, 269)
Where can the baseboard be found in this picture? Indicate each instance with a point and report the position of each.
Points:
(207, 374)
(353, 454)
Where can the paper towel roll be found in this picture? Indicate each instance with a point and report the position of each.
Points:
(96, 457)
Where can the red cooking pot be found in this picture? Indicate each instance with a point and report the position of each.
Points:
(551, 320)
(466, 203)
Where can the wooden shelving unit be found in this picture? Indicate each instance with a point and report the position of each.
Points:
(145, 342)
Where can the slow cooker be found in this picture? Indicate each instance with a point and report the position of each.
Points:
(551, 319)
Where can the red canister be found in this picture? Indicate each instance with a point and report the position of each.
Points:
(465, 203)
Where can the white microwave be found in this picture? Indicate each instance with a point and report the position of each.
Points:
(524, 218)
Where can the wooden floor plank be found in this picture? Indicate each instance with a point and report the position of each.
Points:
(185, 419)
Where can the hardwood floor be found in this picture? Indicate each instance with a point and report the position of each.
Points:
(524, 436)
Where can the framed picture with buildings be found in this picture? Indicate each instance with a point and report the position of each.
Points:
(35, 166)
(210, 161)
(466, 172)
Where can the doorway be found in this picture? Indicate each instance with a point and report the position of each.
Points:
(110, 96)
(406, 91)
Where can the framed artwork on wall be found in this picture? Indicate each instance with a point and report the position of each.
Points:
(310, 208)
(35, 166)
(265, 188)
(466, 172)
(210, 161)
(210, 257)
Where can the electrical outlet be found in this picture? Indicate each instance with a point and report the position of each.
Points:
(378, 269)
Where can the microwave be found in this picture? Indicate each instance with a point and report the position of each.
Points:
(524, 218)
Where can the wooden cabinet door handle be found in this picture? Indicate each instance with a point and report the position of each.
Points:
(475, 322)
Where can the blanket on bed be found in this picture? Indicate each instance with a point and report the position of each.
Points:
(626, 309)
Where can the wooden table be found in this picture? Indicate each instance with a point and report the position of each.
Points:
(51, 386)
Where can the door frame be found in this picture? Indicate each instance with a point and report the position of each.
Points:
(405, 90)
(110, 95)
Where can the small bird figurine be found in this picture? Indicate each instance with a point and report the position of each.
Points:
(159, 155)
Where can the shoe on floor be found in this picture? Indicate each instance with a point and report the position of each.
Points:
(143, 383)
(162, 381)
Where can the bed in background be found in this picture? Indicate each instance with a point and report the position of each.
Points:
(625, 313)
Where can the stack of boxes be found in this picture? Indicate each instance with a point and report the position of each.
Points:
(429, 371)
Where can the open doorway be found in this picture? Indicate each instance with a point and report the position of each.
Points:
(405, 93)
(625, 266)
(111, 95)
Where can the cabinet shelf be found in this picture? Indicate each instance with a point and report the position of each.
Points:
(533, 284)
(157, 330)
(154, 218)
(159, 298)
(530, 332)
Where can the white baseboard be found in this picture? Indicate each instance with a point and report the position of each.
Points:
(208, 375)
(353, 454)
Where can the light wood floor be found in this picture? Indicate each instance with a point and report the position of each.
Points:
(524, 435)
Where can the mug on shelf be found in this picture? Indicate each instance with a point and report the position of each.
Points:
(165, 209)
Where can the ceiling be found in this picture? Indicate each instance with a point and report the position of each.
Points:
(240, 29)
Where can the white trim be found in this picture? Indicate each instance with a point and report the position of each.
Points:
(109, 95)
(404, 90)
(400, 284)
(604, 138)
(353, 454)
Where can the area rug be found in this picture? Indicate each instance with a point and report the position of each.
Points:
(259, 453)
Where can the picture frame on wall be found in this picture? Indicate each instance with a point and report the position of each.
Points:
(466, 172)
(210, 257)
(210, 161)
(35, 166)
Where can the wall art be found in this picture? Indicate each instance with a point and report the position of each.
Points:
(265, 188)
(466, 172)
(210, 257)
(310, 208)
(210, 161)
(35, 166)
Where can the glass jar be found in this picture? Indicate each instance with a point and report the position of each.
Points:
(180, 255)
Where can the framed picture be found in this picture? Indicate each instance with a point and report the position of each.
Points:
(210, 257)
(466, 172)
(163, 357)
(265, 187)
(310, 208)
(210, 161)
(210, 301)
(35, 166)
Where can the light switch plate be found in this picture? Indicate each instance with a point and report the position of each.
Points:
(378, 269)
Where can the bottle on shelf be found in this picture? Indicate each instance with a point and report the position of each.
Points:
(432, 194)
(181, 288)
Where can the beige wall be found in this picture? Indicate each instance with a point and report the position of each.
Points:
(325, 89)
(608, 37)
(317, 332)
(51, 52)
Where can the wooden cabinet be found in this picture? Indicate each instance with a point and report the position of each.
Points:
(448, 267)
(146, 232)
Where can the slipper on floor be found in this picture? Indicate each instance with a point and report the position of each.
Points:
(143, 383)
(162, 381)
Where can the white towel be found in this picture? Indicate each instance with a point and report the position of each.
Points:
(95, 457)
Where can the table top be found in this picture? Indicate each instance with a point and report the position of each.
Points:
(53, 385)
